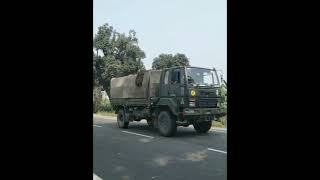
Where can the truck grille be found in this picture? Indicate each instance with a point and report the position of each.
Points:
(207, 94)
(207, 102)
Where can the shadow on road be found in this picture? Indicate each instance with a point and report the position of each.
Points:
(143, 128)
(182, 132)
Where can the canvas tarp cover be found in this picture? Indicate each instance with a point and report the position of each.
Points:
(154, 83)
(125, 87)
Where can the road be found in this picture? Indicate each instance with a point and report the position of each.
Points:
(139, 153)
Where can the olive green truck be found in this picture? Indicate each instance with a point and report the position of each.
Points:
(177, 96)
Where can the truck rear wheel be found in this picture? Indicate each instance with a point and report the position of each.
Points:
(121, 119)
(202, 127)
(166, 124)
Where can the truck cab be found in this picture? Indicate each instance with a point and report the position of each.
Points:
(191, 93)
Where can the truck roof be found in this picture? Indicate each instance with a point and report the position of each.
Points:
(187, 67)
(166, 69)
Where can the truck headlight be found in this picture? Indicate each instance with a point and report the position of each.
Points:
(193, 93)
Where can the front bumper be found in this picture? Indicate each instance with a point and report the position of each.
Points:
(201, 111)
(191, 115)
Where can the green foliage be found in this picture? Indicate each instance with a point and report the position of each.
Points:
(223, 95)
(220, 122)
(97, 98)
(122, 55)
(106, 106)
(223, 104)
(99, 104)
(168, 60)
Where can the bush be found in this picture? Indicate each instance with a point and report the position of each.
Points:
(221, 121)
(223, 101)
(223, 105)
(106, 106)
(217, 124)
(100, 104)
(97, 99)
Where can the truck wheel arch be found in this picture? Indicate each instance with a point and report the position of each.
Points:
(163, 108)
(168, 104)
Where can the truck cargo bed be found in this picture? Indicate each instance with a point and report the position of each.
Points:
(130, 101)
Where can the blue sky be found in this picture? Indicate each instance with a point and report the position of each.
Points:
(196, 28)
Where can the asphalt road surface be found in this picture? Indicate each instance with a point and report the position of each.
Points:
(139, 153)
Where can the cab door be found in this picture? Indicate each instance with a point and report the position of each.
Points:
(164, 90)
(177, 85)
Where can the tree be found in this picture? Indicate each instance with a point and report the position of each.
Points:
(223, 94)
(95, 70)
(168, 60)
(97, 98)
(122, 55)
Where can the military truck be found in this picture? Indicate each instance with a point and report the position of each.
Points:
(177, 96)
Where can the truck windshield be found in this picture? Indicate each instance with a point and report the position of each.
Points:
(202, 77)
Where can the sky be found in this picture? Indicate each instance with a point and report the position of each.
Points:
(196, 28)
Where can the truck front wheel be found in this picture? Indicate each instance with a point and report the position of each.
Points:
(202, 127)
(166, 124)
(121, 119)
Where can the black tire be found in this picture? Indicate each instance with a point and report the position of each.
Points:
(202, 127)
(166, 124)
(121, 119)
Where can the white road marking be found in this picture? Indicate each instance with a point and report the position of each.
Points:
(137, 134)
(97, 125)
(95, 177)
(217, 150)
